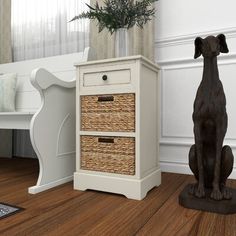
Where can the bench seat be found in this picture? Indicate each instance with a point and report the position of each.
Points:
(45, 105)
(16, 120)
(18, 113)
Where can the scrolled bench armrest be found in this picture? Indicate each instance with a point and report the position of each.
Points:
(43, 79)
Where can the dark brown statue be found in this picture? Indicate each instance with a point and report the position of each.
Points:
(209, 160)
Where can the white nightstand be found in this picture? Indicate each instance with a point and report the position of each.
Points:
(117, 126)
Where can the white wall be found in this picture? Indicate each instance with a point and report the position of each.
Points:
(178, 23)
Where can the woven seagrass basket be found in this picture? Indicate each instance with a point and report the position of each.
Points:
(114, 113)
(108, 154)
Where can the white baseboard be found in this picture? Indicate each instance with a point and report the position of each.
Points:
(40, 188)
(178, 168)
(182, 168)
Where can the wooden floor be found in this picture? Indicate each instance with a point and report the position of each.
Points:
(63, 211)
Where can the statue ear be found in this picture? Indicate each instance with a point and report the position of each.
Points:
(223, 44)
(198, 47)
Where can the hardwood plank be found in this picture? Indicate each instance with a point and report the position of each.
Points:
(128, 218)
(64, 211)
(230, 225)
(171, 217)
(12, 168)
(98, 218)
(174, 219)
(81, 219)
(207, 224)
(99, 213)
(53, 215)
(38, 205)
(191, 227)
(230, 220)
(94, 215)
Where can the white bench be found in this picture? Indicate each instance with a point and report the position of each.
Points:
(45, 105)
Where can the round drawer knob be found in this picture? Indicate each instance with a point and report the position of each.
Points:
(104, 77)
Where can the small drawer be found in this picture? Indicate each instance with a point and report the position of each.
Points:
(108, 154)
(108, 113)
(115, 77)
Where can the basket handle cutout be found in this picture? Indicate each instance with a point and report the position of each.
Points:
(106, 99)
(106, 140)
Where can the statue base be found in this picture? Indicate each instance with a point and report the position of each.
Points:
(207, 204)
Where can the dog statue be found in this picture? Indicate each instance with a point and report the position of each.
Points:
(210, 162)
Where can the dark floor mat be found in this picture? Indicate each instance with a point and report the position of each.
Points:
(8, 210)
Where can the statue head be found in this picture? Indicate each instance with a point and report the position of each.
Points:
(210, 46)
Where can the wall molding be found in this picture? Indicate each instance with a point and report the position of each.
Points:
(183, 168)
(174, 146)
(190, 62)
(189, 38)
(179, 142)
(186, 40)
(181, 66)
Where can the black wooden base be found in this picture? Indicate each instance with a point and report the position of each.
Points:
(207, 204)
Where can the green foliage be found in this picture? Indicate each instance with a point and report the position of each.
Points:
(116, 14)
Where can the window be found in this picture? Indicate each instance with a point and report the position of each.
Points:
(41, 28)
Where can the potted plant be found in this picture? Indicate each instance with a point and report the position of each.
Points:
(118, 16)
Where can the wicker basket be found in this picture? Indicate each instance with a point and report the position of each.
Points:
(108, 154)
(114, 113)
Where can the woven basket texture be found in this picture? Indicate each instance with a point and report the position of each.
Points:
(114, 116)
(117, 157)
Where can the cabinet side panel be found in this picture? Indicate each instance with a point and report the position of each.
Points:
(148, 121)
(78, 80)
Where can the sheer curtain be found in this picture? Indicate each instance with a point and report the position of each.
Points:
(5, 56)
(5, 31)
(41, 28)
